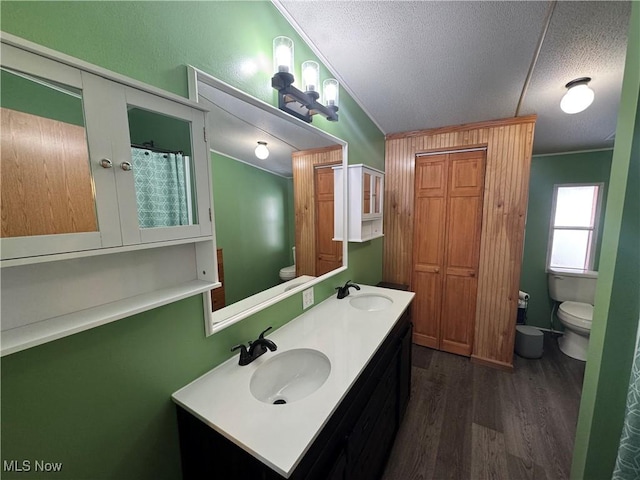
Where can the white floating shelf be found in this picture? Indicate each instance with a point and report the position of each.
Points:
(34, 334)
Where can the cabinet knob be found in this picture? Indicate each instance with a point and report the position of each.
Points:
(106, 163)
(126, 166)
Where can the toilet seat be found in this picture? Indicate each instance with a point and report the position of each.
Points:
(576, 314)
(288, 273)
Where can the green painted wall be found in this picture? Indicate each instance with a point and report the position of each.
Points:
(547, 171)
(27, 96)
(99, 401)
(617, 308)
(256, 248)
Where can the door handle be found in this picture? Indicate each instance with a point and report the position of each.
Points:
(105, 163)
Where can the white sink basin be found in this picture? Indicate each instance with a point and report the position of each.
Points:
(290, 376)
(371, 302)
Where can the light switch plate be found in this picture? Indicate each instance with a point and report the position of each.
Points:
(307, 298)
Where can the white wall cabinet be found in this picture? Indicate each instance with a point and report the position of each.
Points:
(112, 116)
(106, 197)
(365, 203)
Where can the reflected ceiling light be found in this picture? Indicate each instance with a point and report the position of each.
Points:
(262, 152)
(301, 104)
(579, 96)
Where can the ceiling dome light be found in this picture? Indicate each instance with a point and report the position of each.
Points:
(579, 96)
(262, 152)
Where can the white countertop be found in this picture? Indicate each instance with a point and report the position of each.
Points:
(279, 435)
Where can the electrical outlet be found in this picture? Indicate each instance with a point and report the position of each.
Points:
(307, 298)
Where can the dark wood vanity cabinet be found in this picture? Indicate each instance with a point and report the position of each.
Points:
(354, 444)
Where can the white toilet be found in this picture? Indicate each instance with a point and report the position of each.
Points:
(576, 289)
(289, 273)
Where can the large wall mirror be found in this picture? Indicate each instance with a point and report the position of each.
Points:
(274, 217)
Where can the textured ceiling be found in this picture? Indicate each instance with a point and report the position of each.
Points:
(415, 65)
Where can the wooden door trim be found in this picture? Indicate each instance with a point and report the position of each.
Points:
(465, 126)
(449, 150)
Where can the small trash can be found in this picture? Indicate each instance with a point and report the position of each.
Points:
(529, 341)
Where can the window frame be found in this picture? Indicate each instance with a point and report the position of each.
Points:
(594, 231)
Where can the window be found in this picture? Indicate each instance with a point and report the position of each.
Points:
(574, 226)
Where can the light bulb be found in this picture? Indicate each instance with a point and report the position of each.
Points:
(579, 96)
(310, 76)
(330, 89)
(262, 152)
(282, 54)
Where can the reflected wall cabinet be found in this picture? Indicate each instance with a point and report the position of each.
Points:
(365, 203)
(106, 193)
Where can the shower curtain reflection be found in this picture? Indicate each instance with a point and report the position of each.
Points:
(163, 188)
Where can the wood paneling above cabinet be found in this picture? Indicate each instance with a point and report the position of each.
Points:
(508, 144)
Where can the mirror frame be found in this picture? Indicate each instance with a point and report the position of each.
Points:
(219, 320)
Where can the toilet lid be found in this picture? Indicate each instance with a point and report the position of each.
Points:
(582, 312)
(291, 269)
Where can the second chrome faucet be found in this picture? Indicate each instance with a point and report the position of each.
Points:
(256, 348)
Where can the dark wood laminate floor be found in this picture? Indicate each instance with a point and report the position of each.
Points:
(467, 421)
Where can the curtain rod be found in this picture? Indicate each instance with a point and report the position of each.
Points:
(150, 146)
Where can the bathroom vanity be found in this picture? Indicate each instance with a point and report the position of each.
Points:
(342, 427)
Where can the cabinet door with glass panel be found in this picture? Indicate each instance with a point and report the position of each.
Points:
(163, 193)
(372, 188)
(73, 179)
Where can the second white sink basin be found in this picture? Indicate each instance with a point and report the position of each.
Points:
(371, 302)
(290, 376)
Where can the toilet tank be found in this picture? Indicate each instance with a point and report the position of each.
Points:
(572, 285)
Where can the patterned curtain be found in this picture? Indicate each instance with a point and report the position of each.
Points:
(161, 189)
(628, 461)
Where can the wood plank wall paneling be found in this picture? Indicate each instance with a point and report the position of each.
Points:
(509, 144)
(303, 200)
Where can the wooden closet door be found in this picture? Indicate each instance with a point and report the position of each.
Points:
(462, 251)
(328, 251)
(447, 229)
(431, 175)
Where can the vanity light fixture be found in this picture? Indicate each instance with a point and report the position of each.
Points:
(262, 152)
(301, 104)
(578, 97)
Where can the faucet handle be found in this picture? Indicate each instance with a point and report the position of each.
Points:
(245, 358)
(262, 334)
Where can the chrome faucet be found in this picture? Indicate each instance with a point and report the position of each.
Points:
(256, 348)
(344, 291)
